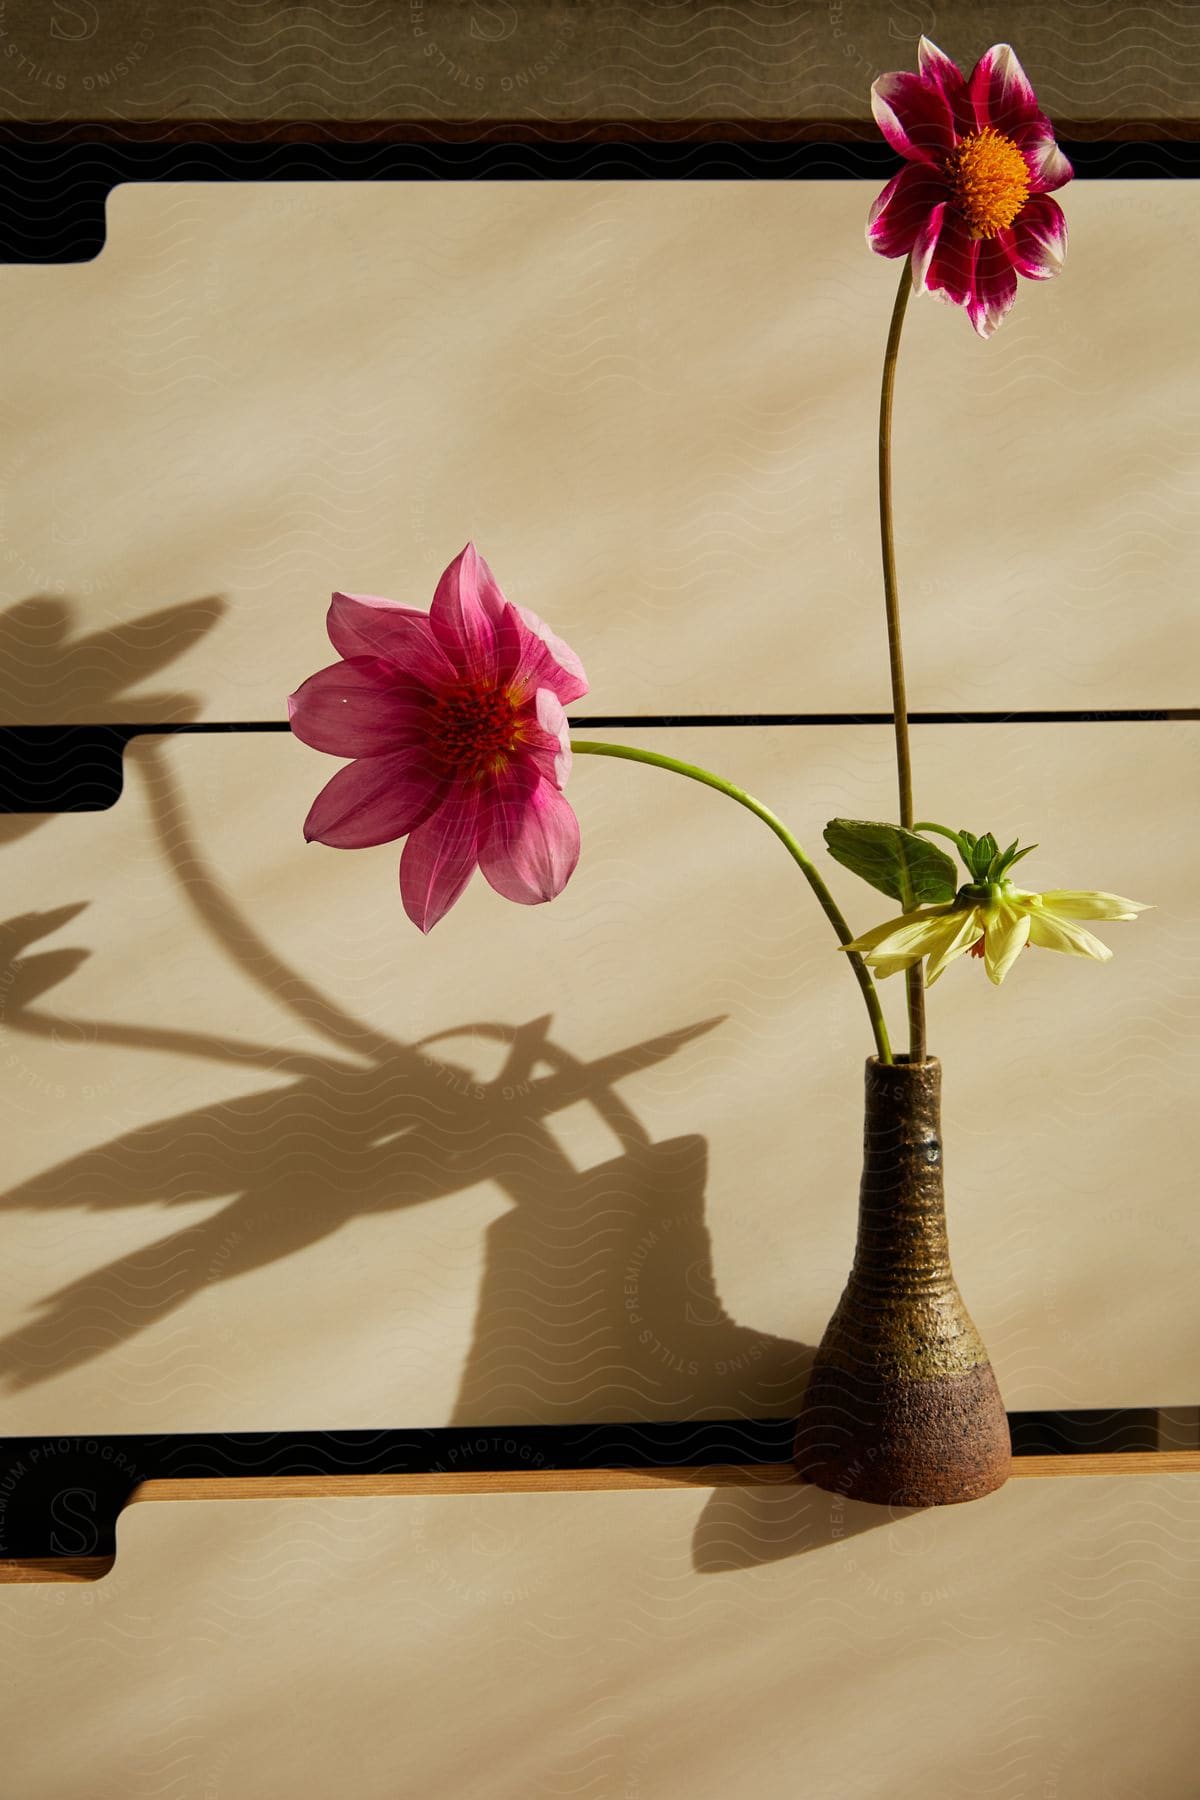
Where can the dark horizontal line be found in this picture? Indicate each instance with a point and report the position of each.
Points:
(1044, 716)
(666, 721)
(80, 768)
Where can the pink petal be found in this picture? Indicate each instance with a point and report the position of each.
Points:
(530, 839)
(465, 611)
(1001, 92)
(365, 625)
(995, 288)
(531, 657)
(375, 800)
(1036, 242)
(935, 66)
(566, 675)
(547, 741)
(914, 117)
(361, 707)
(1048, 167)
(441, 856)
(944, 257)
(898, 213)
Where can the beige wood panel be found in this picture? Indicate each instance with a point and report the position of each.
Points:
(653, 406)
(278, 1161)
(649, 1644)
(527, 1480)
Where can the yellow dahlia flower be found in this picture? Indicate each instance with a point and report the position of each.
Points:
(993, 920)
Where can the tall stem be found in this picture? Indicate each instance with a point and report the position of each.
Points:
(915, 978)
(808, 868)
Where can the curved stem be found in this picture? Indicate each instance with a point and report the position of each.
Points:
(233, 932)
(808, 868)
(954, 836)
(942, 830)
(891, 598)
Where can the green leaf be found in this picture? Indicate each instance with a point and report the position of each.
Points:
(1012, 862)
(1001, 861)
(897, 862)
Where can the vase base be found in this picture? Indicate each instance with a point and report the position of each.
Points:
(934, 1442)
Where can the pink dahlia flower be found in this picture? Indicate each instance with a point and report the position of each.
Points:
(460, 743)
(972, 202)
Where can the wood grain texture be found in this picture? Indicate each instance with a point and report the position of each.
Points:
(380, 131)
(549, 62)
(462, 1481)
(1126, 1462)
(54, 1568)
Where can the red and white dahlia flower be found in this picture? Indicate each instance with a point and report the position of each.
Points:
(455, 722)
(972, 203)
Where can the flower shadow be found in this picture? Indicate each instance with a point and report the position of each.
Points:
(50, 676)
(554, 1336)
(598, 1299)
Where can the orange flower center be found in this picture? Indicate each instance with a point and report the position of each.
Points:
(990, 181)
(472, 729)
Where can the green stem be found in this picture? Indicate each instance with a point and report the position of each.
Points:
(891, 598)
(942, 830)
(807, 867)
(954, 836)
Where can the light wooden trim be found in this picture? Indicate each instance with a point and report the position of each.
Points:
(462, 1481)
(54, 1568)
(1113, 1462)
(539, 1481)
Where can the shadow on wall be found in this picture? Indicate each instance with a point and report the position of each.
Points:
(599, 1300)
(48, 676)
(747, 1527)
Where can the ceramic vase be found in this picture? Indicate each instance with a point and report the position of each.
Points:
(902, 1407)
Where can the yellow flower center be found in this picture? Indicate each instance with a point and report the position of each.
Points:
(990, 181)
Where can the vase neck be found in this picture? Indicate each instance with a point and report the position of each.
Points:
(901, 1213)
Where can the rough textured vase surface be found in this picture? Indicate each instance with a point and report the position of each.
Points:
(902, 1406)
